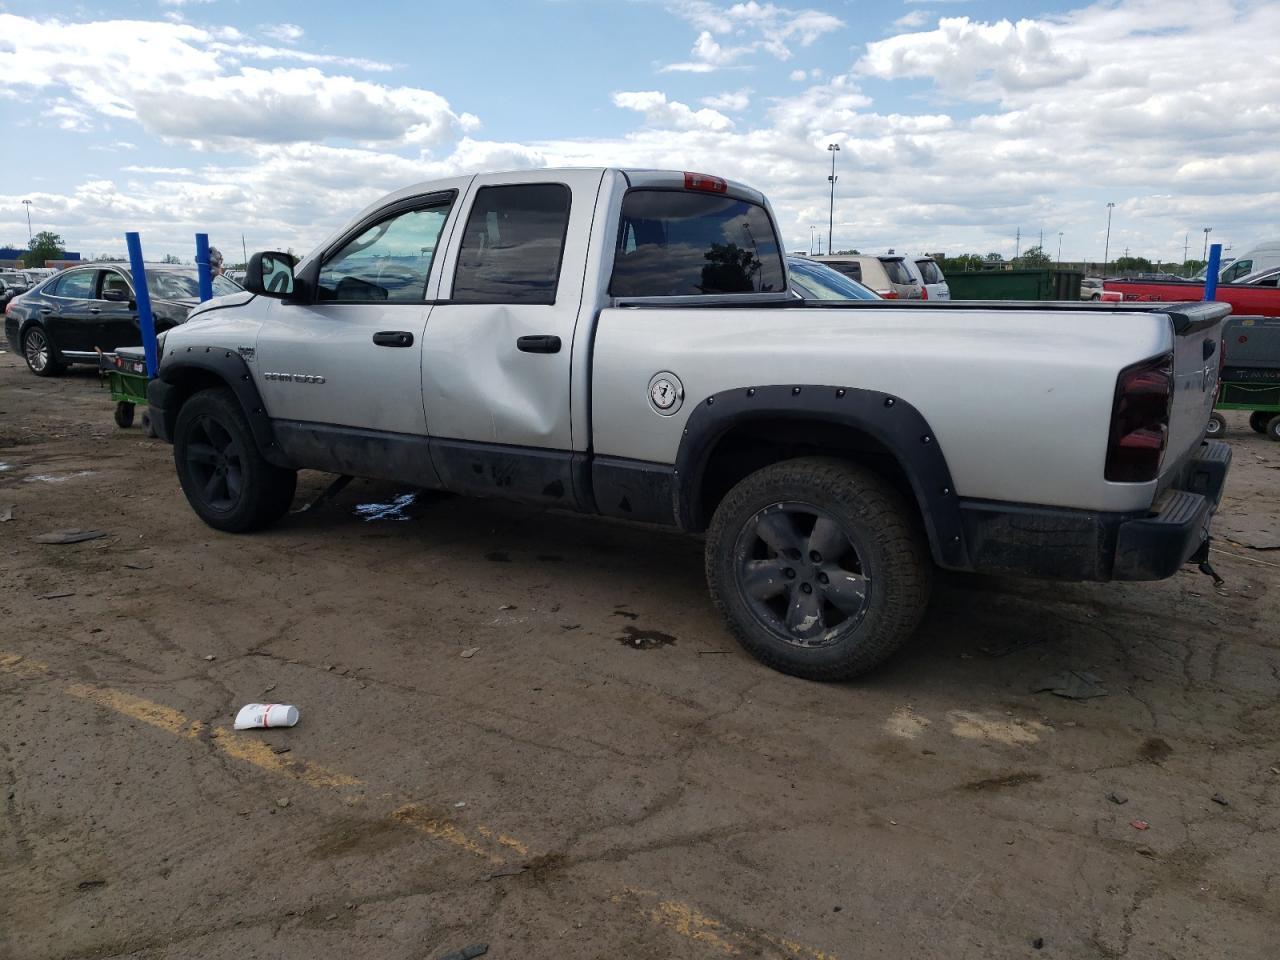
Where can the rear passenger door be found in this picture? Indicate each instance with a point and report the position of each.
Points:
(497, 348)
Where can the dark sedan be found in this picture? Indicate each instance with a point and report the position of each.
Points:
(12, 283)
(68, 317)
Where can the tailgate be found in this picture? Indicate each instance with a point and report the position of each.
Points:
(1197, 344)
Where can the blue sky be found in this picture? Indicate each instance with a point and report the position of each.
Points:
(960, 122)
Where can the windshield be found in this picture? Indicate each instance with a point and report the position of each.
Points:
(896, 271)
(817, 281)
(181, 285)
(929, 270)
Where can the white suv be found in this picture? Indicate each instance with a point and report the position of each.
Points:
(929, 275)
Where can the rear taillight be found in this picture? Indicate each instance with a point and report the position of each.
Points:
(924, 293)
(889, 295)
(705, 182)
(1140, 421)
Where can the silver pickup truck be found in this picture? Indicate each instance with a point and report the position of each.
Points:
(626, 343)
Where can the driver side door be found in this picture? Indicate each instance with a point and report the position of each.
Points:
(351, 358)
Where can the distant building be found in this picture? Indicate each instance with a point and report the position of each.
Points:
(12, 257)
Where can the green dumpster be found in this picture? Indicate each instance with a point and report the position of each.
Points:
(1032, 284)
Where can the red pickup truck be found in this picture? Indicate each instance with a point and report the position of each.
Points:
(1246, 299)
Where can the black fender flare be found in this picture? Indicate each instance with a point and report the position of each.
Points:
(898, 426)
(171, 387)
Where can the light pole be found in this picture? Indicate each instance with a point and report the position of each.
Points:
(1106, 251)
(812, 229)
(27, 204)
(1059, 249)
(1205, 256)
(831, 215)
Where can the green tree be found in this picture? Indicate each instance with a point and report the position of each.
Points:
(170, 258)
(962, 263)
(994, 257)
(45, 245)
(1131, 265)
(1035, 257)
(848, 253)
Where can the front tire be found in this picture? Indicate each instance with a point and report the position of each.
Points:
(226, 479)
(38, 351)
(818, 567)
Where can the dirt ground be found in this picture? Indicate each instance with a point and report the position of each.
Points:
(528, 730)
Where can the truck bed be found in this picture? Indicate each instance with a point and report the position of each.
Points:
(1242, 297)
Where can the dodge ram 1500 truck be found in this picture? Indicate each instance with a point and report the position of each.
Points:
(626, 343)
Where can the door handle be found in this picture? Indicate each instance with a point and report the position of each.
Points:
(45, 311)
(539, 344)
(95, 309)
(393, 338)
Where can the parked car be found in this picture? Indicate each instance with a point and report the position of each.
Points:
(887, 275)
(927, 273)
(1262, 257)
(628, 343)
(12, 283)
(817, 281)
(66, 318)
(1269, 277)
(1091, 288)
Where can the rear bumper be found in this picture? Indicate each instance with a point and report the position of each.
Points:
(1062, 544)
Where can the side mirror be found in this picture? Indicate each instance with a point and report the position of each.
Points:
(117, 295)
(270, 275)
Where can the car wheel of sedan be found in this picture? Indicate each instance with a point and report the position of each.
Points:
(38, 352)
(225, 477)
(1216, 426)
(818, 567)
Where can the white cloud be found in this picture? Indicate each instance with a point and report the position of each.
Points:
(912, 18)
(284, 32)
(799, 76)
(754, 27)
(734, 101)
(660, 112)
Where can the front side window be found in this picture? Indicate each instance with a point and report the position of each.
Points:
(1237, 269)
(897, 272)
(76, 286)
(114, 283)
(674, 243)
(390, 261)
(513, 244)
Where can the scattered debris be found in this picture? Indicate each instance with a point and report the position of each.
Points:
(210, 657)
(626, 613)
(1220, 800)
(468, 653)
(137, 566)
(395, 510)
(1139, 824)
(645, 639)
(282, 802)
(460, 803)
(332, 916)
(1072, 684)
(507, 606)
(57, 478)
(279, 750)
(1038, 943)
(270, 687)
(57, 596)
(90, 884)
(1118, 799)
(504, 872)
(68, 536)
(468, 953)
(6, 512)
(262, 715)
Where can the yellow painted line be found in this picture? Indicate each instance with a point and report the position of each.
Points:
(262, 756)
(18, 665)
(503, 839)
(716, 935)
(138, 708)
(438, 828)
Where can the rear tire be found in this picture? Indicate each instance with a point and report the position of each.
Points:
(227, 481)
(38, 351)
(1273, 428)
(1217, 425)
(818, 567)
(1259, 419)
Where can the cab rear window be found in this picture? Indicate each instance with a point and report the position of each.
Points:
(673, 243)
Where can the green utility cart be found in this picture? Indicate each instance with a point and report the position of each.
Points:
(125, 374)
(1250, 375)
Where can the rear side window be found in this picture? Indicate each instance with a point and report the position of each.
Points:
(852, 270)
(680, 244)
(929, 270)
(513, 244)
(77, 285)
(897, 272)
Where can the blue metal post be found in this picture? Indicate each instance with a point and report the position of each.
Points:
(1211, 271)
(142, 296)
(202, 267)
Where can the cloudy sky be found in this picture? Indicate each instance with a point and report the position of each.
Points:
(959, 122)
